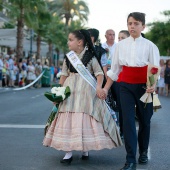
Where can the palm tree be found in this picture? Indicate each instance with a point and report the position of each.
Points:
(38, 20)
(18, 10)
(55, 35)
(76, 25)
(69, 9)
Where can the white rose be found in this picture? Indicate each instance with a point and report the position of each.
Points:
(53, 90)
(59, 91)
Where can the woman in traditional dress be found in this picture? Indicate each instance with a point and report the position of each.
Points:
(83, 121)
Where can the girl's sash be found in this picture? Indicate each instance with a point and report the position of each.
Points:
(85, 74)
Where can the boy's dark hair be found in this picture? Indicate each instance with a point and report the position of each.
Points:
(125, 32)
(138, 16)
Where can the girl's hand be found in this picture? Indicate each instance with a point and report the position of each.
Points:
(99, 91)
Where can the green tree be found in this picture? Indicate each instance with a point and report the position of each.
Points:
(159, 33)
(19, 10)
(75, 25)
(37, 20)
(55, 35)
(70, 9)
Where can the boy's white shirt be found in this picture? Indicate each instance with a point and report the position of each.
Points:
(133, 53)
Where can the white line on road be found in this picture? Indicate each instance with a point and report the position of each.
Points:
(22, 126)
(43, 126)
(39, 95)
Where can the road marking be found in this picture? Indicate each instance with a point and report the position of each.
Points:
(42, 127)
(39, 95)
(35, 96)
(22, 126)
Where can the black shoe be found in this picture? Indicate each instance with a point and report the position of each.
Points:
(66, 161)
(129, 166)
(143, 158)
(85, 157)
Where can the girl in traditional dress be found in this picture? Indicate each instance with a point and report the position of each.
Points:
(83, 121)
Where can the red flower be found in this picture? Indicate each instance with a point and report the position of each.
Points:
(154, 70)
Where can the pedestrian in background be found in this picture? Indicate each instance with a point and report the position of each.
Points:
(38, 71)
(52, 71)
(101, 52)
(167, 77)
(31, 76)
(123, 34)
(11, 70)
(5, 72)
(1, 67)
(109, 45)
(161, 81)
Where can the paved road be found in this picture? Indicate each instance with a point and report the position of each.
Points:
(23, 115)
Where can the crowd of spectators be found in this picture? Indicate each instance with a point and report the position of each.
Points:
(23, 72)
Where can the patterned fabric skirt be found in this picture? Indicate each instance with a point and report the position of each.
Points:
(77, 131)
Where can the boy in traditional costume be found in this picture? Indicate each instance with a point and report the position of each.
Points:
(131, 58)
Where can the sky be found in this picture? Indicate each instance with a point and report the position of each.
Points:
(112, 14)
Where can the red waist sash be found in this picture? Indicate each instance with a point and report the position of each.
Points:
(119, 77)
(133, 75)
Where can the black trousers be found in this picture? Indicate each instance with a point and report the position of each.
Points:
(130, 95)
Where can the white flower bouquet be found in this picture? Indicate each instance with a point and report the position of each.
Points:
(57, 95)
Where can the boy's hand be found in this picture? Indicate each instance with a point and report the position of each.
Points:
(150, 89)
